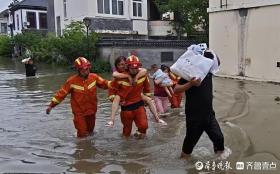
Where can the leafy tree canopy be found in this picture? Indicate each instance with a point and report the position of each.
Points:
(190, 15)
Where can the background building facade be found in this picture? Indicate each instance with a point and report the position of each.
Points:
(246, 35)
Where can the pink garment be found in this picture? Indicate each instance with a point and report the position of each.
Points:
(161, 104)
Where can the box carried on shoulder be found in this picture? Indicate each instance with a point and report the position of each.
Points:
(191, 65)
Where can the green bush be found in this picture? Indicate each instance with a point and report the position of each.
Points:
(61, 50)
(74, 42)
(101, 66)
(5, 45)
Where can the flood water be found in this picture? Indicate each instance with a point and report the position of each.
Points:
(33, 142)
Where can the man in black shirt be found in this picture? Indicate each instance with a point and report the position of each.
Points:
(200, 115)
(30, 68)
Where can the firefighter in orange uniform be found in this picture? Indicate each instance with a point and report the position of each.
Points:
(82, 88)
(132, 105)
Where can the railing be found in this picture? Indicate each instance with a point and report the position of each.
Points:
(144, 43)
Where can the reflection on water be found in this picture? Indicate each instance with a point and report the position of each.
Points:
(32, 141)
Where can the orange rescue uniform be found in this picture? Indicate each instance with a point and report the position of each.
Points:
(132, 108)
(176, 99)
(83, 100)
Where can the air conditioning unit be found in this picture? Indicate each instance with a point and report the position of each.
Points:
(168, 16)
(26, 23)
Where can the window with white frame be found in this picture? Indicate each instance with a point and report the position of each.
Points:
(43, 24)
(4, 27)
(31, 18)
(117, 7)
(65, 8)
(114, 7)
(137, 8)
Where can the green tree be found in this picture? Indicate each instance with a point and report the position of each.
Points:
(73, 43)
(190, 15)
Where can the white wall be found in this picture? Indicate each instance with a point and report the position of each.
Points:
(250, 41)
(77, 10)
(160, 28)
(17, 26)
(214, 5)
(223, 38)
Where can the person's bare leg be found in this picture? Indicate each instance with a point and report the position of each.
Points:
(167, 91)
(114, 108)
(153, 109)
(171, 90)
(152, 106)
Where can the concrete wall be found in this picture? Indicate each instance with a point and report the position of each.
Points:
(148, 56)
(215, 5)
(247, 41)
(161, 28)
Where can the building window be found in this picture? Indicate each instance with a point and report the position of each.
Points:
(166, 56)
(58, 26)
(17, 22)
(116, 6)
(4, 28)
(43, 20)
(223, 3)
(137, 8)
(64, 8)
(31, 18)
(103, 6)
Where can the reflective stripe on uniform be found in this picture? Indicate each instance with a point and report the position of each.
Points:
(64, 91)
(55, 100)
(124, 83)
(77, 87)
(141, 80)
(78, 61)
(92, 84)
(148, 94)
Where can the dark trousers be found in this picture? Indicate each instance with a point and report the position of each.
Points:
(195, 128)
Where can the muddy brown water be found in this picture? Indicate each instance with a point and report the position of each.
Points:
(33, 142)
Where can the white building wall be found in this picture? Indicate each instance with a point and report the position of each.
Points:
(248, 43)
(223, 38)
(215, 5)
(58, 11)
(263, 38)
(77, 10)
(161, 28)
(18, 26)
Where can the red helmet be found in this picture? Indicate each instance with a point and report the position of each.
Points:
(81, 63)
(133, 62)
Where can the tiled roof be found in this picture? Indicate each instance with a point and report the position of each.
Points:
(31, 4)
(37, 3)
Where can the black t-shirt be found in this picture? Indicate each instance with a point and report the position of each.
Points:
(199, 100)
(30, 70)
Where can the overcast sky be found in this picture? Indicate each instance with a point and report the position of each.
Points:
(4, 4)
